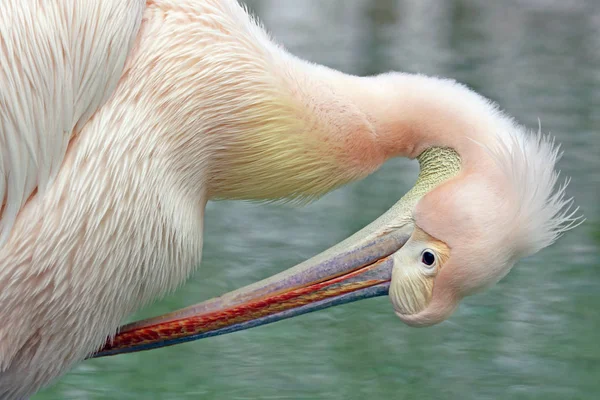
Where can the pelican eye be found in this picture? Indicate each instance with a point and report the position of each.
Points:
(428, 258)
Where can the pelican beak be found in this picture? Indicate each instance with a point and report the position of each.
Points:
(358, 268)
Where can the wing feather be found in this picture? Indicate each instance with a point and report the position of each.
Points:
(60, 60)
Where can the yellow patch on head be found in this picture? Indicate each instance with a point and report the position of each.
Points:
(411, 288)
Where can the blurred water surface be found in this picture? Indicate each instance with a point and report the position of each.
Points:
(533, 336)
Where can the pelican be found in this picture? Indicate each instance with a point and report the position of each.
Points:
(120, 119)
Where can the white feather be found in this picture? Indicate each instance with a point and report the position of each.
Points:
(59, 62)
(543, 213)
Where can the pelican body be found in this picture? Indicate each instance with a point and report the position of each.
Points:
(120, 119)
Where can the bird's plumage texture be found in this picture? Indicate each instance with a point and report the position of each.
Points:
(529, 160)
(59, 62)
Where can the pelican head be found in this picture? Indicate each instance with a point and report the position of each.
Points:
(486, 197)
(469, 231)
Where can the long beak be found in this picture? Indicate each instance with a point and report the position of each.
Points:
(358, 268)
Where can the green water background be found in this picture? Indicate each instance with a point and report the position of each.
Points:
(533, 336)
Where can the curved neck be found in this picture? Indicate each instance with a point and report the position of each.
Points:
(337, 128)
(411, 113)
(266, 125)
